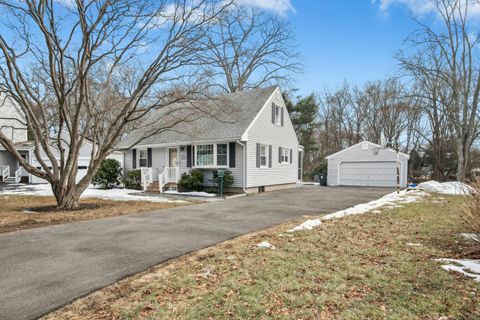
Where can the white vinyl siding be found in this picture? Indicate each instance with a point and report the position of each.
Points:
(263, 131)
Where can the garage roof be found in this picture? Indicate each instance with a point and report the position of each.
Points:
(371, 143)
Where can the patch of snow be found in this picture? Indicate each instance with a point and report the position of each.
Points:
(265, 245)
(310, 183)
(192, 193)
(389, 200)
(307, 225)
(471, 236)
(90, 192)
(469, 268)
(236, 196)
(449, 188)
(414, 244)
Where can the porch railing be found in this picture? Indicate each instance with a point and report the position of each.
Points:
(146, 176)
(5, 170)
(18, 175)
(169, 175)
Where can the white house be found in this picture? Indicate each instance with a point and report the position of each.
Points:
(367, 164)
(255, 140)
(12, 123)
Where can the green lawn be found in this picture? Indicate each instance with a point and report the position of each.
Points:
(354, 268)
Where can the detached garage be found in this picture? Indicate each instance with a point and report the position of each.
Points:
(367, 164)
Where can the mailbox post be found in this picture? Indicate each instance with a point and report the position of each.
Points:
(221, 176)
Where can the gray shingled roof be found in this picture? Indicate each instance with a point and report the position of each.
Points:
(223, 117)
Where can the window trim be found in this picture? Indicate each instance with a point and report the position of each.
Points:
(140, 159)
(278, 117)
(266, 155)
(215, 156)
(285, 156)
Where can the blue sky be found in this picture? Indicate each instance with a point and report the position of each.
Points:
(352, 40)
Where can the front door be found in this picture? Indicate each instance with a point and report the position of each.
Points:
(172, 157)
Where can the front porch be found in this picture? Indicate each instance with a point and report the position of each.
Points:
(10, 169)
(161, 168)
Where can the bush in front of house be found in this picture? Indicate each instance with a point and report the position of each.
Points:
(191, 181)
(109, 174)
(227, 179)
(132, 180)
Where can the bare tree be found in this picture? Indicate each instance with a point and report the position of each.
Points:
(433, 94)
(91, 70)
(455, 41)
(250, 48)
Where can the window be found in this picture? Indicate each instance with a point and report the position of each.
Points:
(204, 155)
(285, 154)
(211, 155)
(142, 158)
(222, 154)
(277, 115)
(263, 155)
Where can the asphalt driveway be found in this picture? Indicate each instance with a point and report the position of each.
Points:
(42, 269)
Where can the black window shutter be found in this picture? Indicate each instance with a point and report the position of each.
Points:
(258, 155)
(269, 156)
(273, 113)
(149, 157)
(193, 155)
(290, 156)
(281, 120)
(134, 158)
(189, 156)
(279, 154)
(231, 151)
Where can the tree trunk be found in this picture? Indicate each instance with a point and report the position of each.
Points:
(461, 161)
(67, 197)
(68, 201)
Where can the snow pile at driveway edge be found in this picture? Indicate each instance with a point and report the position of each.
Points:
(392, 200)
(449, 188)
(307, 225)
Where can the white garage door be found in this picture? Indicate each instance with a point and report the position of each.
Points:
(82, 171)
(368, 173)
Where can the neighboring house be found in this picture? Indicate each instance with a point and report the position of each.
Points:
(367, 164)
(255, 140)
(12, 123)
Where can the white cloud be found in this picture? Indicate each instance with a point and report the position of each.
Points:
(422, 7)
(281, 7)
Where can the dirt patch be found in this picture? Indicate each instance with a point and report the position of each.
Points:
(25, 212)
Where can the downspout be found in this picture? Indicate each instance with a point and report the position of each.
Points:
(244, 165)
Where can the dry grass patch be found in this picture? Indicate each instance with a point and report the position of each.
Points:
(25, 212)
(359, 267)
